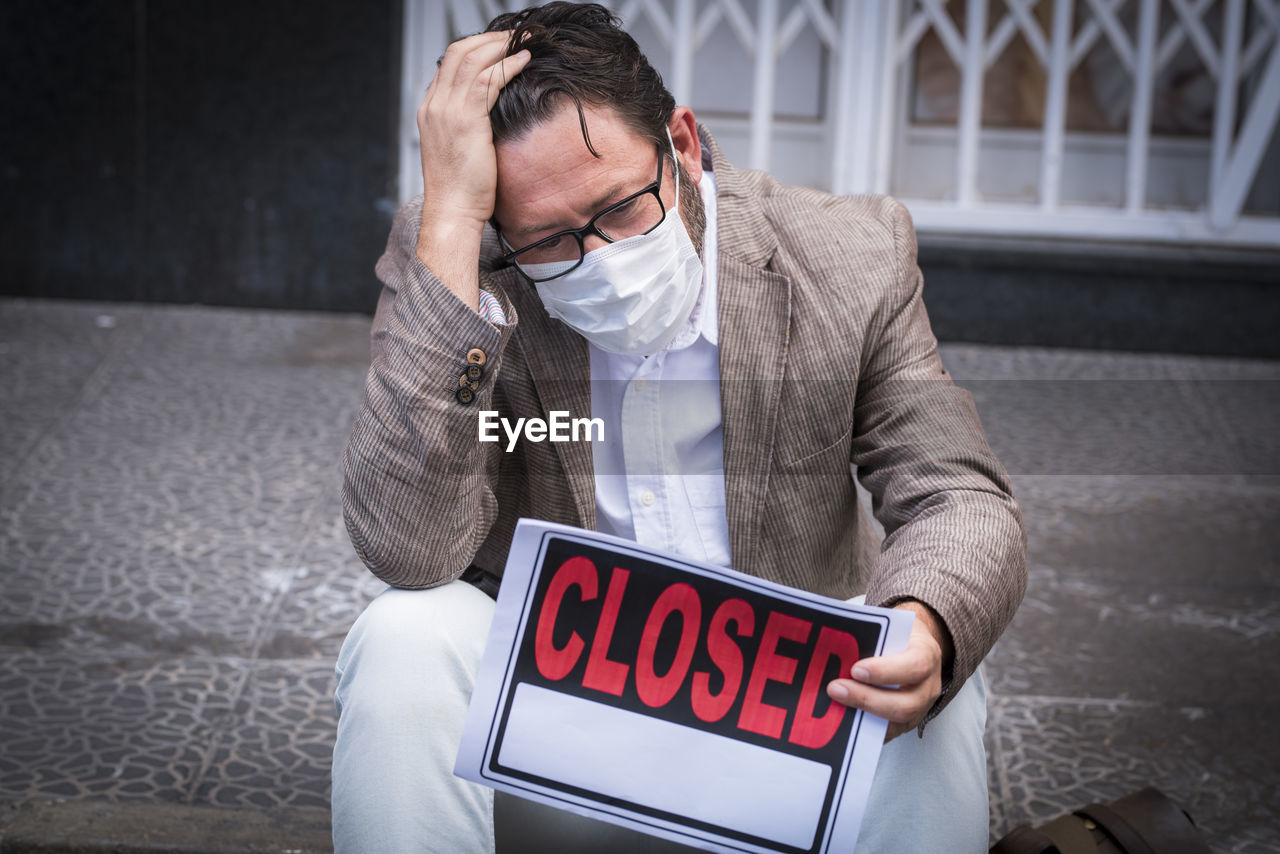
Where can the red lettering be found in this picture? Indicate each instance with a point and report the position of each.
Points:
(603, 674)
(727, 656)
(815, 720)
(655, 690)
(555, 664)
(807, 730)
(757, 716)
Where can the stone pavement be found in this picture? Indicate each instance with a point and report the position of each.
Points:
(177, 580)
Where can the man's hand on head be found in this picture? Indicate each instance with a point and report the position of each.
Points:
(916, 671)
(459, 163)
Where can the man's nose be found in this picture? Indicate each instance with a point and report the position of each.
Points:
(593, 241)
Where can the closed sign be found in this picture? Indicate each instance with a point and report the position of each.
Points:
(673, 697)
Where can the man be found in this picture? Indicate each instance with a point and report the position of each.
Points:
(583, 246)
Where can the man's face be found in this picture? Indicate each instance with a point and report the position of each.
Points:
(548, 180)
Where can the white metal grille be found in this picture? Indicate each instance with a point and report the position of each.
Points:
(963, 174)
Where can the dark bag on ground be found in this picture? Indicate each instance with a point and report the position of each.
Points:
(1145, 822)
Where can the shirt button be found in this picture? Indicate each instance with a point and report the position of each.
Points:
(476, 356)
(641, 383)
(647, 498)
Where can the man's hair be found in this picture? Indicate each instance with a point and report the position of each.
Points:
(579, 53)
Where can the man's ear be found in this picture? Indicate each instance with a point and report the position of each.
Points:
(684, 135)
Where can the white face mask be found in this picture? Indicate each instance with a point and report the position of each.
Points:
(631, 297)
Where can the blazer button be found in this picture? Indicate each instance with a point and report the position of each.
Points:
(476, 356)
(465, 395)
(474, 372)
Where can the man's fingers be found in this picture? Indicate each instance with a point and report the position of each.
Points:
(476, 62)
(469, 79)
(900, 706)
(902, 710)
(457, 54)
(501, 73)
(471, 76)
(916, 674)
(440, 89)
(908, 667)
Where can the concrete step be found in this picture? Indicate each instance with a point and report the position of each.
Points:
(87, 827)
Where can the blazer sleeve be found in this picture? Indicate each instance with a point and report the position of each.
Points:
(417, 495)
(954, 536)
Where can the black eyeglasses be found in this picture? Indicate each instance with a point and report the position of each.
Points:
(562, 252)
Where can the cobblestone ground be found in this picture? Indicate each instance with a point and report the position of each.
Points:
(177, 580)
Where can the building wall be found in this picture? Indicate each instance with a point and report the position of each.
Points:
(225, 152)
(244, 153)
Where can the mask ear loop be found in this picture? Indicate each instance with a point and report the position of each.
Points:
(675, 169)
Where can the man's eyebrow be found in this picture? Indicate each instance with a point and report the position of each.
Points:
(599, 203)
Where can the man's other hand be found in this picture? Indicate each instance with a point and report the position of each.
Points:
(917, 671)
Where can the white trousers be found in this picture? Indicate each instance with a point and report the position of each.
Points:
(405, 675)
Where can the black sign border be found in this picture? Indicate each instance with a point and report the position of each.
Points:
(547, 788)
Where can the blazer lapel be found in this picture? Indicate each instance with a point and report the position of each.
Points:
(754, 325)
(754, 315)
(561, 368)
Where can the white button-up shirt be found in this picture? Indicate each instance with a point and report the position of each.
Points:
(659, 473)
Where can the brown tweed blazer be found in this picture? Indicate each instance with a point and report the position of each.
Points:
(826, 361)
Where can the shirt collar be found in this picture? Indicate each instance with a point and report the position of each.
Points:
(702, 320)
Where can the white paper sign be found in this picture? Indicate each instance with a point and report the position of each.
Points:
(677, 698)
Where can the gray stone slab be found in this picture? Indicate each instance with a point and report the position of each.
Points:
(187, 336)
(1131, 427)
(1077, 639)
(174, 506)
(179, 580)
(147, 598)
(276, 749)
(1069, 412)
(1137, 583)
(126, 729)
(1054, 755)
(76, 827)
(1156, 534)
(49, 353)
(978, 362)
(330, 590)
